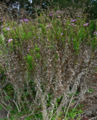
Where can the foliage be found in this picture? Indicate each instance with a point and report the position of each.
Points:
(74, 113)
(39, 56)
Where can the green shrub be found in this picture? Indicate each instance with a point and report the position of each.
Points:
(36, 52)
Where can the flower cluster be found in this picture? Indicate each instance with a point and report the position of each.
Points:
(24, 20)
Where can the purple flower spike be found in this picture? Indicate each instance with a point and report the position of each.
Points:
(86, 24)
(74, 20)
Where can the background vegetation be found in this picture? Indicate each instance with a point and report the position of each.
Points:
(45, 62)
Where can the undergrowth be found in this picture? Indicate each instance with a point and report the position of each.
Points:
(41, 63)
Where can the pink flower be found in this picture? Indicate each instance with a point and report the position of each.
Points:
(7, 28)
(58, 16)
(74, 20)
(86, 24)
(95, 32)
(26, 20)
(79, 16)
(51, 14)
(10, 40)
(72, 24)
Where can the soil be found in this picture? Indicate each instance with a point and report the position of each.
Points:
(90, 99)
(3, 114)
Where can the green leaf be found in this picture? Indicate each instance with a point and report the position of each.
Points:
(1, 107)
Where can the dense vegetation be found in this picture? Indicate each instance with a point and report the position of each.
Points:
(44, 63)
(88, 6)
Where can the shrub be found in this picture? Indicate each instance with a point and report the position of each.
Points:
(45, 60)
